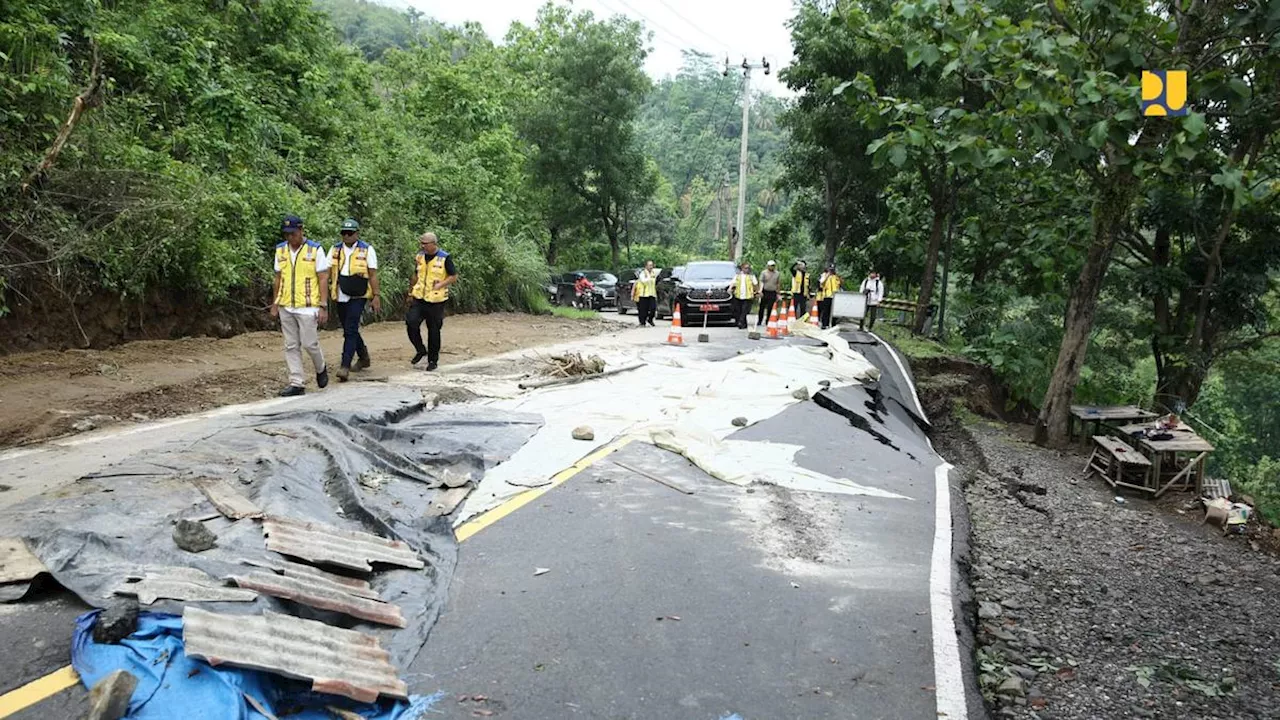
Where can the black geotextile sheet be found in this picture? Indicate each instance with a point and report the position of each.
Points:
(376, 469)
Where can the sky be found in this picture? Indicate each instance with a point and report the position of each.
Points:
(754, 29)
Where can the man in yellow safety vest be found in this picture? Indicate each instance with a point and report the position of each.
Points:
(428, 293)
(644, 291)
(299, 298)
(745, 289)
(800, 287)
(353, 281)
(828, 286)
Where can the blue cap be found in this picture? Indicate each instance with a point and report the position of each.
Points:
(291, 223)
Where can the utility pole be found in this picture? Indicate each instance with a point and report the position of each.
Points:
(747, 67)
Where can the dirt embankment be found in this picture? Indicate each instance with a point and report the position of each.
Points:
(52, 393)
(1089, 607)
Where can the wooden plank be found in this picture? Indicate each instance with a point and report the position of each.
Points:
(1111, 412)
(1120, 450)
(1191, 444)
(1191, 467)
(17, 562)
(227, 500)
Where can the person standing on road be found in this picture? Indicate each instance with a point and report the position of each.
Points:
(828, 286)
(745, 289)
(768, 291)
(644, 291)
(428, 293)
(353, 281)
(800, 287)
(299, 298)
(873, 290)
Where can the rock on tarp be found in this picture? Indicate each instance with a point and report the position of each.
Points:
(302, 462)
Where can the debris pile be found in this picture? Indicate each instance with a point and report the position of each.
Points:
(573, 365)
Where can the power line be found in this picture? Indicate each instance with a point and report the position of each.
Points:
(723, 45)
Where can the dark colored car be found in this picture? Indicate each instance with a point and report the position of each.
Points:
(704, 291)
(605, 288)
(626, 281)
(668, 281)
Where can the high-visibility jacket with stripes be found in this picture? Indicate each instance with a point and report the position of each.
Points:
(299, 281)
(744, 286)
(829, 285)
(646, 284)
(359, 265)
(431, 269)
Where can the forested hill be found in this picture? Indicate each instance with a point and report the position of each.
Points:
(198, 123)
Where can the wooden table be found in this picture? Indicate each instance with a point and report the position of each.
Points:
(1098, 414)
(1119, 464)
(1185, 441)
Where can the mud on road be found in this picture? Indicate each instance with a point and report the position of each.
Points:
(49, 394)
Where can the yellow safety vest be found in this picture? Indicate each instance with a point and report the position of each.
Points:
(830, 286)
(744, 286)
(429, 271)
(800, 284)
(646, 285)
(299, 281)
(359, 265)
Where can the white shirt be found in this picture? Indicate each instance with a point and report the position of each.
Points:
(322, 264)
(875, 288)
(345, 265)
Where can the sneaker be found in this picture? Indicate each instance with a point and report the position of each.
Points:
(292, 391)
(362, 363)
(342, 373)
(431, 366)
(322, 377)
(417, 358)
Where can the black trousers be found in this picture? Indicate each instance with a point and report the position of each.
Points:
(767, 300)
(433, 314)
(740, 309)
(352, 344)
(824, 312)
(647, 309)
(869, 318)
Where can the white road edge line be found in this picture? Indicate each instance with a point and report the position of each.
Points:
(905, 374)
(948, 678)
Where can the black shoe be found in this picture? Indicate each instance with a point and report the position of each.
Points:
(417, 358)
(322, 377)
(431, 366)
(292, 391)
(362, 364)
(343, 372)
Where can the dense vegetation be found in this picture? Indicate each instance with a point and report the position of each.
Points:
(989, 157)
(992, 158)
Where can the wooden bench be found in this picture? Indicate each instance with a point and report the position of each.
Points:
(1119, 464)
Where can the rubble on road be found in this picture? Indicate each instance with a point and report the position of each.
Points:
(109, 698)
(193, 536)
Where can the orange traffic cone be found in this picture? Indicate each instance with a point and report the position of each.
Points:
(675, 336)
(813, 314)
(784, 327)
(773, 322)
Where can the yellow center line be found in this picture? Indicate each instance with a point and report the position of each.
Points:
(37, 690)
(59, 680)
(472, 527)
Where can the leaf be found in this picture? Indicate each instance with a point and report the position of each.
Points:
(1022, 83)
(950, 67)
(1193, 123)
(898, 155)
(1239, 87)
(930, 55)
(839, 89)
(1098, 134)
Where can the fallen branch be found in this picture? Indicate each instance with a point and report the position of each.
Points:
(90, 97)
(571, 380)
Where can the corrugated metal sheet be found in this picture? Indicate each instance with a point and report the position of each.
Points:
(336, 661)
(181, 583)
(334, 546)
(17, 562)
(350, 585)
(227, 500)
(320, 593)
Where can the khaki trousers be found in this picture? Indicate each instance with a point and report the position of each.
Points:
(300, 333)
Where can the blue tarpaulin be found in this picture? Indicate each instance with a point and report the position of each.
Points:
(171, 685)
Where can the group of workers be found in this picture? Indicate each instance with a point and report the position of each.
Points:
(766, 288)
(307, 278)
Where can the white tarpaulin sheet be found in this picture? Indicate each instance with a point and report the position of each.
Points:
(682, 403)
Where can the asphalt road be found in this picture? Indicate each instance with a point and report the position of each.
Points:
(748, 602)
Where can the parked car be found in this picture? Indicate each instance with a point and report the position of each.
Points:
(703, 291)
(668, 279)
(606, 288)
(626, 282)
